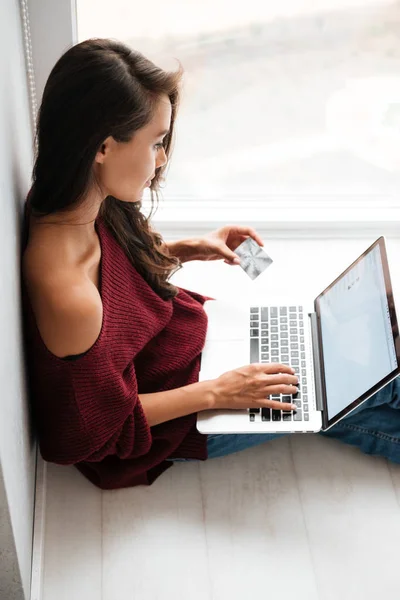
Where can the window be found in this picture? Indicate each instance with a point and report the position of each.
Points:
(290, 111)
(290, 97)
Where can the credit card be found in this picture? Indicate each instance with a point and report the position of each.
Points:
(253, 259)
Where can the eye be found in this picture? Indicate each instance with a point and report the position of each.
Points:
(159, 145)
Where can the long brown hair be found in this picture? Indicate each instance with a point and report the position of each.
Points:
(102, 88)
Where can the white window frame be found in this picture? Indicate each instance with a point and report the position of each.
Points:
(54, 30)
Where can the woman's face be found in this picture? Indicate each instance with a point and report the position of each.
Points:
(125, 169)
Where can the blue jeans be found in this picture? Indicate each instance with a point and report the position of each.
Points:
(374, 427)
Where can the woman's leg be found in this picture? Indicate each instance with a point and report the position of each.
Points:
(374, 427)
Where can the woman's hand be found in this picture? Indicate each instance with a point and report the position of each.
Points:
(251, 385)
(217, 245)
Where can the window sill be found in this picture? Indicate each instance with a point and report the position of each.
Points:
(339, 215)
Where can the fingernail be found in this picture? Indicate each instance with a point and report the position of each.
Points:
(236, 261)
(294, 407)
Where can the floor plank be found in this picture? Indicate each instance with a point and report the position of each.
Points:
(352, 517)
(73, 536)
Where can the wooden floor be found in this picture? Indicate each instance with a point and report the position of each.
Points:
(300, 517)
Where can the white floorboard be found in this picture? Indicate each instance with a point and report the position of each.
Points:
(301, 517)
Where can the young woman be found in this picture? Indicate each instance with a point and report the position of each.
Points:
(113, 348)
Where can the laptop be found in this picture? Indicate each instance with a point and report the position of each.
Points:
(344, 347)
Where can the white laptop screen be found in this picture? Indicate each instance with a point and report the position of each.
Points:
(356, 332)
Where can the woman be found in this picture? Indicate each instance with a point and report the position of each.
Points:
(113, 347)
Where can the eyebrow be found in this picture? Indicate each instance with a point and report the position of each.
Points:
(163, 133)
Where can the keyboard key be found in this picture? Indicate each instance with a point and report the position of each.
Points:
(306, 408)
(254, 332)
(294, 362)
(294, 354)
(301, 331)
(301, 340)
(264, 356)
(264, 313)
(285, 358)
(305, 397)
(274, 329)
(254, 309)
(274, 311)
(284, 343)
(305, 390)
(252, 417)
(301, 323)
(292, 309)
(303, 363)
(275, 359)
(303, 355)
(283, 319)
(283, 310)
(275, 397)
(287, 399)
(297, 403)
(265, 414)
(306, 417)
(304, 381)
(264, 348)
(275, 352)
(293, 323)
(293, 331)
(286, 416)
(274, 321)
(276, 415)
(264, 325)
(297, 416)
(284, 335)
(274, 344)
(302, 347)
(293, 338)
(304, 372)
(294, 346)
(254, 350)
(274, 336)
(284, 327)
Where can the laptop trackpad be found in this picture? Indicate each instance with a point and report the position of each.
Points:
(220, 356)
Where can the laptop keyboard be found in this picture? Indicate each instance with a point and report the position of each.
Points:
(277, 335)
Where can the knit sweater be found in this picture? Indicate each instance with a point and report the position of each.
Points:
(87, 411)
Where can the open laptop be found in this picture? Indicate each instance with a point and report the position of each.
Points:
(344, 348)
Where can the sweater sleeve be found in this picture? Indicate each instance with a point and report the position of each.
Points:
(108, 419)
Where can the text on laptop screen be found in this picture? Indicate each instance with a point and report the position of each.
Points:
(357, 339)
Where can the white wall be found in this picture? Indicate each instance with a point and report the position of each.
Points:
(17, 446)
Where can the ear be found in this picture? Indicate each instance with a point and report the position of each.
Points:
(103, 151)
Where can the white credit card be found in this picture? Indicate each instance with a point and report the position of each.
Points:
(253, 259)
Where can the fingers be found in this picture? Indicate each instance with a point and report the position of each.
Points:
(279, 379)
(272, 368)
(274, 404)
(281, 388)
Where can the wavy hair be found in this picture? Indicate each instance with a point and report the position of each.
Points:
(101, 88)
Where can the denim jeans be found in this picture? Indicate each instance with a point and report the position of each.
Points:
(374, 427)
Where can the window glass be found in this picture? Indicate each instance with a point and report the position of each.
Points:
(279, 97)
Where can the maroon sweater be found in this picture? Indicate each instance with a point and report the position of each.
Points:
(87, 411)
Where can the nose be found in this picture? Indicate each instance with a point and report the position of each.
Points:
(161, 158)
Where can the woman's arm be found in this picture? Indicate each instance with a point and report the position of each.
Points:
(185, 250)
(165, 406)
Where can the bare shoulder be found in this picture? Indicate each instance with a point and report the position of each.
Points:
(67, 307)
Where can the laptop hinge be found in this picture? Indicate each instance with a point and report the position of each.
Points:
(317, 361)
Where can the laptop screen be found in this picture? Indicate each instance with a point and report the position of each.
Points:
(358, 333)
